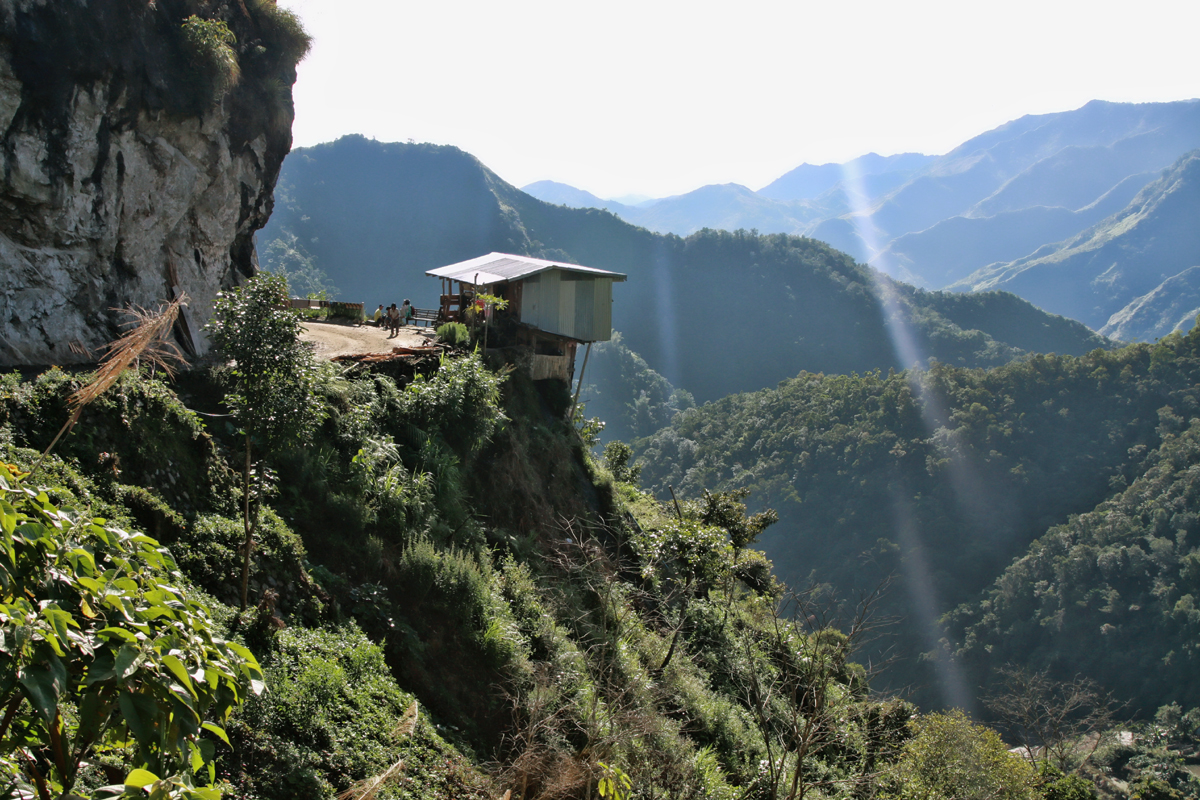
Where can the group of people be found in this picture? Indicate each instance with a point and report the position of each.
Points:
(392, 318)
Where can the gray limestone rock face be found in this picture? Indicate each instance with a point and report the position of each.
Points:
(112, 200)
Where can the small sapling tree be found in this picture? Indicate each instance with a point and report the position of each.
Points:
(803, 687)
(483, 305)
(271, 380)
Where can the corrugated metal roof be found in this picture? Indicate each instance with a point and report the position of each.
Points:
(497, 267)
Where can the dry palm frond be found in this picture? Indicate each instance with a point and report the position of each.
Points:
(368, 788)
(147, 339)
(408, 721)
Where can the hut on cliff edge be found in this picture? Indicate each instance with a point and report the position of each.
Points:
(555, 306)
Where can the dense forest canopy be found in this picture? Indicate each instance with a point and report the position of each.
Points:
(942, 477)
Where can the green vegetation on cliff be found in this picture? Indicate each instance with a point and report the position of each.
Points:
(451, 598)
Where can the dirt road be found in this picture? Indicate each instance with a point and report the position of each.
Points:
(333, 339)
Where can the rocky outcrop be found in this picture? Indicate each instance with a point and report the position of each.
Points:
(129, 173)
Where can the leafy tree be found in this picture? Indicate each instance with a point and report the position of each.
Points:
(616, 458)
(802, 688)
(271, 380)
(950, 756)
(1148, 788)
(100, 650)
(1057, 786)
(726, 510)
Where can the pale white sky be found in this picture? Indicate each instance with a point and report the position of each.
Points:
(660, 97)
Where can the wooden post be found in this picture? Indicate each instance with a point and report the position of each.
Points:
(678, 513)
(579, 385)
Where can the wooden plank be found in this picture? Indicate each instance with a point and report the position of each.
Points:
(546, 367)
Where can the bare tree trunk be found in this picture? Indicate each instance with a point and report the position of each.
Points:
(675, 636)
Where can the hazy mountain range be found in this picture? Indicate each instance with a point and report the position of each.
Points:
(1002, 197)
(1131, 273)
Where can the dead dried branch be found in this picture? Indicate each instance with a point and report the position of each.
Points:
(368, 788)
(147, 340)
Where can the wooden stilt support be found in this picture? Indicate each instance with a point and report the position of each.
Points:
(579, 385)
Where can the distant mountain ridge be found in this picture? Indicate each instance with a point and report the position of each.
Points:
(934, 220)
(560, 194)
(809, 181)
(714, 313)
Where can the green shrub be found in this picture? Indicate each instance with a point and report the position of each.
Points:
(209, 44)
(103, 655)
(326, 723)
(452, 582)
(350, 311)
(137, 433)
(281, 30)
(461, 402)
(454, 333)
(208, 553)
(400, 499)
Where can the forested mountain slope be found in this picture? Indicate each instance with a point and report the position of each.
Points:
(1111, 593)
(714, 313)
(940, 478)
(1096, 274)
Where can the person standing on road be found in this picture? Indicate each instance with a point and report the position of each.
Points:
(406, 312)
(393, 316)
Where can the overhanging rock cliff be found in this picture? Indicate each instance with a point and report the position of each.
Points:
(139, 158)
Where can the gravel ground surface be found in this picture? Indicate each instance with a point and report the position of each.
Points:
(333, 339)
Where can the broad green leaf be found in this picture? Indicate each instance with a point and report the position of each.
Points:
(140, 713)
(218, 730)
(242, 651)
(116, 633)
(31, 531)
(197, 759)
(208, 749)
(139, 779)
(179, 671)
(126, 661)
(62, 623)
(92, 714)
(8, 517)
(90, 583)
(43, 684)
